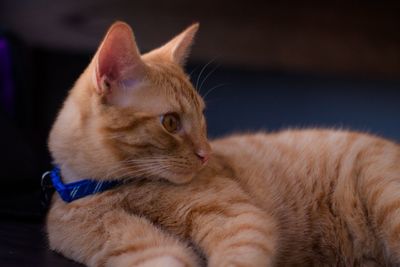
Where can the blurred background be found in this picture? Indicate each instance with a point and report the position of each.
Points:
(260, 64)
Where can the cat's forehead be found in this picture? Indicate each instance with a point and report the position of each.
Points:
(176, 88)
(164, 95)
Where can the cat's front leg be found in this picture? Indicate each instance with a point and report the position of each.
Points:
(214, 213)
(232, 231)
(101, 235)
(244, 237)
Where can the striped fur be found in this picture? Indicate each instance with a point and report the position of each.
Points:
(293, 198)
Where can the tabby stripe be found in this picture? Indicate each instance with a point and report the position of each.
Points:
(232, 234)
(143, 146)
(330, 197)
(249, 227)
(394, 234)
(131, 126)
(236, 264)
(234, 213)
(376, 194)
(239, 201)
(131, 248)
(266, 250)
(384, 212)
(208, 210)
(205, 210)
(372, 183)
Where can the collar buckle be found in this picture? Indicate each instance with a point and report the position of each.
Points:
(47, 190)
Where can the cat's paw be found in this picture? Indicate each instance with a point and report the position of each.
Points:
(163, 261)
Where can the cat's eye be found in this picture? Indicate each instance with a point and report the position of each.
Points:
(171, 122)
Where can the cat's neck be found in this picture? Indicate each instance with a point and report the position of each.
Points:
(68, 175)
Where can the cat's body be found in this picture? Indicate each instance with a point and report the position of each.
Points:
(323, 188)
(294, 198)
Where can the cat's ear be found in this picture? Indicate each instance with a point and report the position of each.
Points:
(117, 61)
(179, 47)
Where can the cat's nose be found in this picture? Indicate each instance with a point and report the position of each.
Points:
(203, 155)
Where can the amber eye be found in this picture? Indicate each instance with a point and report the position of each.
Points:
(171, 122)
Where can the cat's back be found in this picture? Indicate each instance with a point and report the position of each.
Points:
(298, 153)
(304, 160)
(314, 177)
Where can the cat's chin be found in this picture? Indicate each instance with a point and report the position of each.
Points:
(179, 178)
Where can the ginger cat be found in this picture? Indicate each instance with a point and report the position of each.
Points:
(294, 198)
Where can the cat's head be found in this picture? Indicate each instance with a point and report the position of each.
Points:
(132, 115)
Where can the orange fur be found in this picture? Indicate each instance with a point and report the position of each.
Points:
(294, 198)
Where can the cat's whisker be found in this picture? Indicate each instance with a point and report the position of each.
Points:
(122, 173)
(150, 159)
(212, 89)
(112, 172)
(148, 165)
(138, 169)
(129, 161)
(155, 170)
(201, 72)
(159, 171)
(193, 70)
(146, 161)
(121, 169)
(207, 76)
(116, 136)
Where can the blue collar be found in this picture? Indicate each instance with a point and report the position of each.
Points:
(76, 190)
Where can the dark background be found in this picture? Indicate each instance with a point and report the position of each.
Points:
(261, 64)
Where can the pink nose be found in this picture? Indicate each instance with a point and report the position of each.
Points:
(203, 155)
